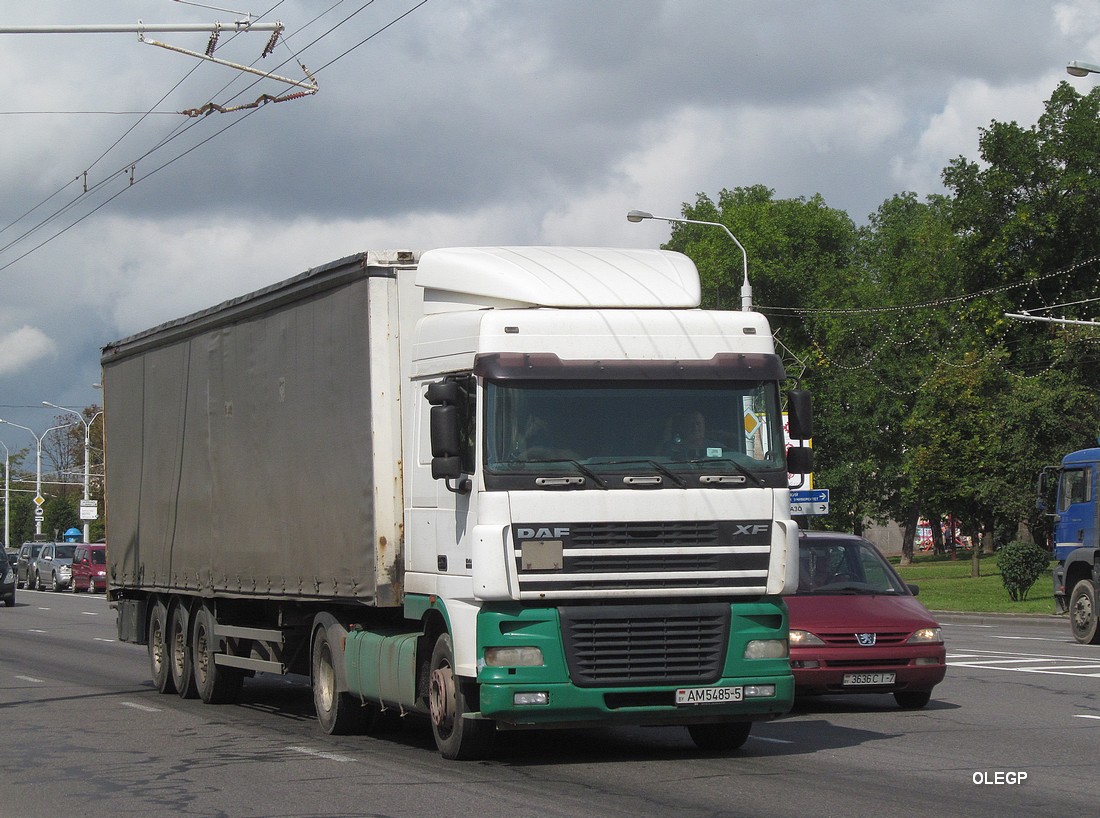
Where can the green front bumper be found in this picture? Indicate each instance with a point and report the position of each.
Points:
(570, 703)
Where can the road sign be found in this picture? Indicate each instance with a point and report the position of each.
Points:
(810, 502)
(89, 509)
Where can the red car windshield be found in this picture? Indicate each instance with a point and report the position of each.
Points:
(837, 566)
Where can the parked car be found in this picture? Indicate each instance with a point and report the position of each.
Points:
(54, 566)
(24, 566)
(856, 627)
(7, 579)
(89, 568)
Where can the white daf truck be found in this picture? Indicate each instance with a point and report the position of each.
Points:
(501, 488)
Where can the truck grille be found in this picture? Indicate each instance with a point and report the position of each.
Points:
(713, 556)
(645, 645)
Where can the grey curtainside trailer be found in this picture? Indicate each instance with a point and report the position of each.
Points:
(242, 459)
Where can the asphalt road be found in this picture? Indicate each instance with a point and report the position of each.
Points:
(1014, 729)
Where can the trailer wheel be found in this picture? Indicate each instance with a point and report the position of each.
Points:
(215, 685)
(179, 652)
(457, 737)
(720, 737)
(339, 713)
(1083, 613)
(157, 640)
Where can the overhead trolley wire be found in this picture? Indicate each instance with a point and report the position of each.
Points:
(129, 168)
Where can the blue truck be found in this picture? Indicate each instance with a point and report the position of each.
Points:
(1077, 575)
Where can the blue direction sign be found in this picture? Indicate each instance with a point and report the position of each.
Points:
(810, 501)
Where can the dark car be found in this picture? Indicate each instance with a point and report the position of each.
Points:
(89, 568)
(856, 627)
(7, 579)
(53, 568)
(24, 565)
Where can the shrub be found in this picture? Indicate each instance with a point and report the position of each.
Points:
(1021, 563)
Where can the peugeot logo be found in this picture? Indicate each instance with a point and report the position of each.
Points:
(866, 639)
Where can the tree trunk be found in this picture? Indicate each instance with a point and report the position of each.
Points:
(909, 529)
(936, 527)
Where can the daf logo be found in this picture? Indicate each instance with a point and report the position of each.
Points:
(749, 530)
(866, 639)
(541, 533)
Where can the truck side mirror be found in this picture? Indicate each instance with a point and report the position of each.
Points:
(800, 419)
(446, 468)
(444, 432)
(800, 460)
(442, 393)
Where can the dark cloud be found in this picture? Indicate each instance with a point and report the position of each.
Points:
(483, 120)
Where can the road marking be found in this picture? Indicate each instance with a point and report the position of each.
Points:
(102, 639)
(1081, 716)
(88, 613)
(1052, 664)
(320, 754)
(29, 679)
(772, 740)
(35, 630)
(142, 707)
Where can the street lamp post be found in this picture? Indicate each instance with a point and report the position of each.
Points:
(7, 495)
(1076, 68)
(746, 288)
(87, 448)
(38, 469)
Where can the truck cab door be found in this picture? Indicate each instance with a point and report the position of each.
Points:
(1075, 520)
(442, 510)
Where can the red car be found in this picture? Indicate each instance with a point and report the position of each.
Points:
(90, 568)
(856, 627)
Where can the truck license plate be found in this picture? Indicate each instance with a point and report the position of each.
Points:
(855, 679)
(709, 695)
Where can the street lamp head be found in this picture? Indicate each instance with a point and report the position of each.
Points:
(1076, 68)
(1074, 71)
(637, 216)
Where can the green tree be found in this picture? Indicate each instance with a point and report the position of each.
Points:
(876, 344)
(1026, 217)
(60, 513)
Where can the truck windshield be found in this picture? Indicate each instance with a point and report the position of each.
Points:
(688, 433)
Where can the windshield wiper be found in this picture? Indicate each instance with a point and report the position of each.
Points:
(671, 475)
(744, 470)
(587, 472)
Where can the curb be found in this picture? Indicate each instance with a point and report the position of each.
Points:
(980, 618)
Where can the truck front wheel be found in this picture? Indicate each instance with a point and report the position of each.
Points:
(457, 737)
(720, 737)
(1083, 613)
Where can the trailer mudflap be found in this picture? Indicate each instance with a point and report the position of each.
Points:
(131, 620)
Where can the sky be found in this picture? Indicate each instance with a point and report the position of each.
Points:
(448, 123)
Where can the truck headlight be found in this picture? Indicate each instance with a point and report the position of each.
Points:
(766, 649)
(514, 657)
